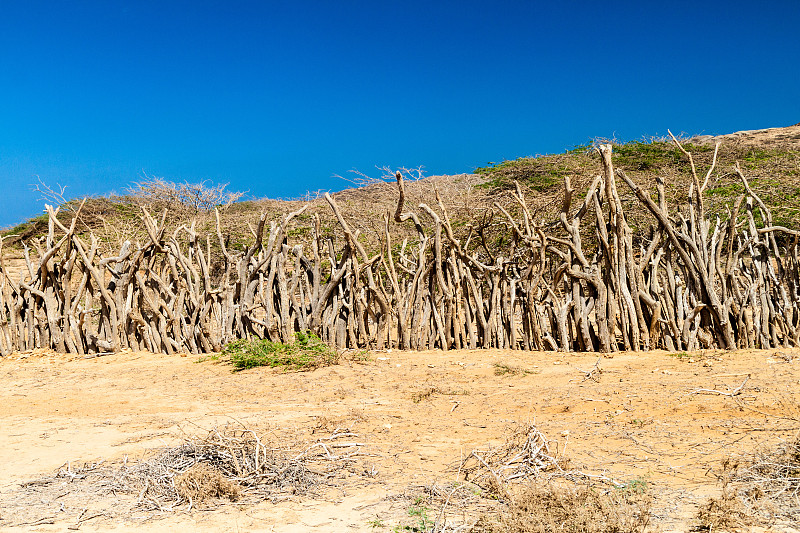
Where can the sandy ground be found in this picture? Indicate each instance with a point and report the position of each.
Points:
(645, 418)
(787, 136)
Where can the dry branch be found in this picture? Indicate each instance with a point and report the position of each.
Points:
(501, 280)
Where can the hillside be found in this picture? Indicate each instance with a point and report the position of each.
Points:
(769, 158)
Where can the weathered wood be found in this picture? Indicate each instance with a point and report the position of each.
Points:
(690, 282)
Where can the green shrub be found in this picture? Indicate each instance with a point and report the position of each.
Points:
(307, 352)
(541, 173)
(656, 155)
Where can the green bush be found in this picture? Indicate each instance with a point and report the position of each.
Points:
(541, 173)
(307, 352)
(656, 155)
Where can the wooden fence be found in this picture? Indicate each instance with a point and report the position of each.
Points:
(585, 283)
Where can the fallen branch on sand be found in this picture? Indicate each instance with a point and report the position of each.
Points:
(731, 393)
(525, 454)
(593, 373)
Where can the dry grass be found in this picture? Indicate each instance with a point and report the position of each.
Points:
(522, 487)
(117, 218)
(503, 369)
(424, 394)
(201, 482)
(562, 506)
(339, 424)
(763, 489)
(773, 171)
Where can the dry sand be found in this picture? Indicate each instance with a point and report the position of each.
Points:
(417, 414)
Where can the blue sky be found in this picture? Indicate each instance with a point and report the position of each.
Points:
(278, 97)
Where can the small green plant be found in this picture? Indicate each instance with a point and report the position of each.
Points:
(727, 190)
(538, 173)
(681, 355)
(209, 357)
(755, 155)
(376, 523)
(419, 513)
(301, 231)
(307, 352)
(360, 356)
(635, 486)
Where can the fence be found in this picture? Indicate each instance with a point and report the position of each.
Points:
(585, 283)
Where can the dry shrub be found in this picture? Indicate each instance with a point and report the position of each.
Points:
(534, 493)
(774, 475)
(762, 490)
(202, 482)
(187, 198)
(525, 455)
(212, 463)
(228, 464)
(727, 512)
(551, 506)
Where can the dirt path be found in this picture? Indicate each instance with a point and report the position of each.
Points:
(642, 418)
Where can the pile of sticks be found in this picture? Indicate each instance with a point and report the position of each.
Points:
(525, 455)
(584, 283)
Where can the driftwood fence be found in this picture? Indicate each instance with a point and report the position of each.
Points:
(585, 283)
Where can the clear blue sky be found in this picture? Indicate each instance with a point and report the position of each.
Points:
(277, 97)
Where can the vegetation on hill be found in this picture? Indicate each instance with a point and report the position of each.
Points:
(772, 169)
